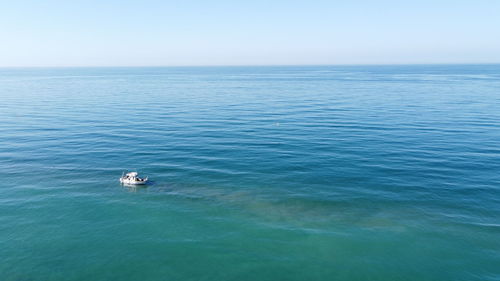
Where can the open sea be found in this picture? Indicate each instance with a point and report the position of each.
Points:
(257, 173)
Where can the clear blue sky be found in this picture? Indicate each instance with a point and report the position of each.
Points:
(258, 32)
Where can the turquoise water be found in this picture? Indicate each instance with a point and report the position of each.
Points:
(259, 173)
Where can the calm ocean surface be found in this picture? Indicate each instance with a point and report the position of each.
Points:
(259, 173)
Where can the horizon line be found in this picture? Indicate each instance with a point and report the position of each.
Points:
(248, 65)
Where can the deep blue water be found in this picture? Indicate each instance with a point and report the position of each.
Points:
(259, 173)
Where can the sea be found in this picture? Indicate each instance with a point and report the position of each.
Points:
(256, 173)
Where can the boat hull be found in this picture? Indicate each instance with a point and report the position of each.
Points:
(133, 182)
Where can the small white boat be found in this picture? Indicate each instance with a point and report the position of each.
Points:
(132, 178)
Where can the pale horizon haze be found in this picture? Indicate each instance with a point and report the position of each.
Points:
(203, 33)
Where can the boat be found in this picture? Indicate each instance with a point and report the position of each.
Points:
(133, 178)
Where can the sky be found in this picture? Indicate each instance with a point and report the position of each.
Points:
(258, 32)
